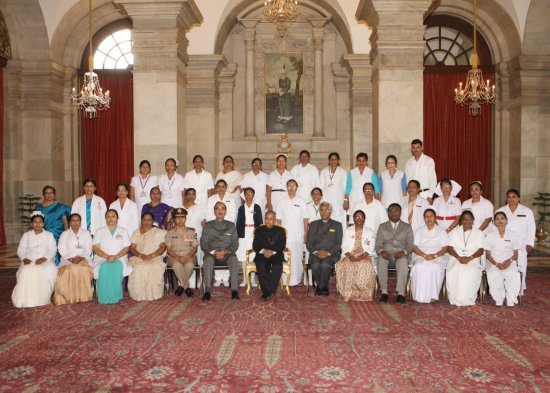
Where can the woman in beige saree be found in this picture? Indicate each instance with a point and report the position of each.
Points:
(74, 274)
(355, 275)
(147, 279)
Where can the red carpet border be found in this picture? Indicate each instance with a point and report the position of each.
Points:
(291, 344)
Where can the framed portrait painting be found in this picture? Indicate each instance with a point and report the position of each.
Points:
(284, 93)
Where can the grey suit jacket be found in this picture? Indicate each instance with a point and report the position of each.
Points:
(325, 237)
(219, 235)
(400, 240)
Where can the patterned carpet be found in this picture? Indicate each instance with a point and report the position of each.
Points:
(292, 344)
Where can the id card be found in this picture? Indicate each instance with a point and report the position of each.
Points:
(143, 194)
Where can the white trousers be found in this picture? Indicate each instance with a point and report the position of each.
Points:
(296, 269)
(504, 284)
(522, 266)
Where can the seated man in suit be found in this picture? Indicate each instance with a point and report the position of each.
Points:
(220, 242)
(269, 244)
(324, 242)
(394, 241)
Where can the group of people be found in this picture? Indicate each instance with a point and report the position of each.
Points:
(356, 223)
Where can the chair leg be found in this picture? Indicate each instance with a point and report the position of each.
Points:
(287, 284)
(520, 286)
(482, 287)
(247, 276)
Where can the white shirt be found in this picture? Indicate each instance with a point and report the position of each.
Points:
(368, 239)
(35, 246)
(419, 206)
(258, 183)
(392, 187)
(313, 211)
(466, 243)
(172, 190)
(291, 213)
(75, 245)
(142, 189)
(358, 180)
(201, 182)
(375, 213)
(334, 189)
(423, 171)
(447, 209)
(522, 222)
(98, 208)
(111, 245)
(228, 201)
(278, 182)
(502, 248)
(308, 178)
(431, 242)
(481, 210)
(195, 216)
(233, 180)
(128, 216)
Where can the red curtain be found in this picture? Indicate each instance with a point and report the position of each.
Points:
(459, 143)
(108, 139)
(2, 230)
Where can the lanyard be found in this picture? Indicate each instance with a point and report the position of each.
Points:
(331, 176)
(143, 185)
(466, 239)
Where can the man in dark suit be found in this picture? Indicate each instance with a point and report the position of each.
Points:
(269, 244)
(394, 241)
(220, 242)
(324, 242)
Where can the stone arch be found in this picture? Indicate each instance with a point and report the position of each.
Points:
(71, 37)
(236, 8)
(494, 23)
(27, 27)
(535, 37)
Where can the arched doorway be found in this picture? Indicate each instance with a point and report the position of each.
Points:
(108, 139)
(458, 142)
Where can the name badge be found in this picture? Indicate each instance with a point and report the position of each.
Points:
(296, 205)
(330, 185)
(464, 253)
(119, 237)
(228, 234)
(143, 194)
(522, 215)
(169, 194)
(78, 246)
(507, 240)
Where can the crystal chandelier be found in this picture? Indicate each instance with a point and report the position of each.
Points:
(280, 12)
(476, 91)
(91, 97)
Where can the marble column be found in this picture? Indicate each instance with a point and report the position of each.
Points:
(202, 115)
(397, 43)
(318, 41)
(160, 56)
(359, 68)
(343, 135)
(226, 79)
(250, 44)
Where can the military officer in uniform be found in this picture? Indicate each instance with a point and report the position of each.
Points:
(269, 244)
(220, 242)
(324, 243)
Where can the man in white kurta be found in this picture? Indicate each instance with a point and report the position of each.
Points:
(307, 176)
(422, 168)
(37, 273)
(199, 179)
(375, 212)
(413, 206)
(333, 183)
(292, 215)
(257, 180)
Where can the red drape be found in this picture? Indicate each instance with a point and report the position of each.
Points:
(108, 139)
(459, 143)
(2, 230)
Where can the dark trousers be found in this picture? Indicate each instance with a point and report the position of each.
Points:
(321, 269)
(269, 273)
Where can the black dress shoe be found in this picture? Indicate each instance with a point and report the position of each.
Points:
(189, 292)
(179, 291)
(318, 292)
(401, 299)
(264, 298)
(384, 298)
(206, 297)
(269, 297)
(235, 295)
(324, 292)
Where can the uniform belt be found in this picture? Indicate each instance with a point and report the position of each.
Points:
(449, 218)
(278, 190)
(248, 225)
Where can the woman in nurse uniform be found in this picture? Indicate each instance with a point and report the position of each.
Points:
(481, 208)
(201, 180)
(314, 206)
(447, 206)
(90, 207)
(171, 185)
(413, 206)
(502, 247)
(276, 183)
(333, 183)
(522, 221)
(256, 179)
(393, 183)
(232, 177)
(37, 273)
(111, 244)
(128, 213)
(249, 217)
(357, 178)
(292, 215)
(141, 185)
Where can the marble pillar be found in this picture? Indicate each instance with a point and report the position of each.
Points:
(318, 41)
(160, 55)
(397, 43)
(250, 43)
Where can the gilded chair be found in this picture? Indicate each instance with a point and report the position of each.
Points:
(484, 287)
(251, 268)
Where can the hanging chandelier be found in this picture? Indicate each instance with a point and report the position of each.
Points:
(476, 91)
(91, 97)
(280, 12)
